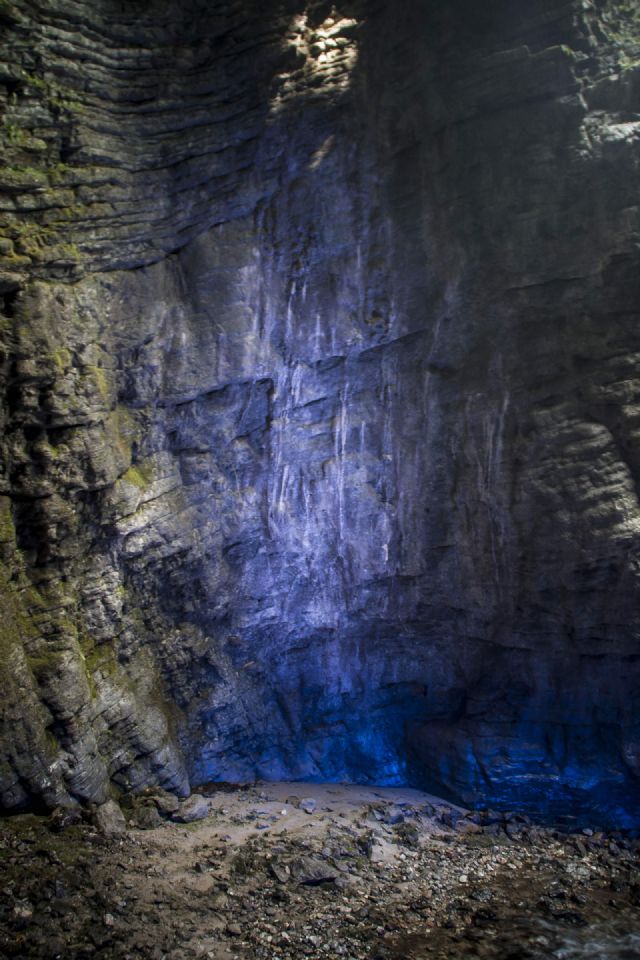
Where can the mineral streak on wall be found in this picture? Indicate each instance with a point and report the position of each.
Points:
(321, 411)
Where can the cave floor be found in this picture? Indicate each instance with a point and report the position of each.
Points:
(283, 870)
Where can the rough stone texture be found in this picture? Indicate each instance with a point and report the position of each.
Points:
(195, 808)
(321, 404)
(109, 819)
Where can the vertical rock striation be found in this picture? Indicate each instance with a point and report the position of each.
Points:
(320, 406)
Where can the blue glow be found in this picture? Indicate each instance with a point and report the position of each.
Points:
(340, 725)
(514, 769)
(364, 743)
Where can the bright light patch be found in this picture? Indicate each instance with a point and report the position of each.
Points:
(322, 152)
(322, 59)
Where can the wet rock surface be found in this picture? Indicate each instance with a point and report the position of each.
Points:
(319, 411)
(310, 886)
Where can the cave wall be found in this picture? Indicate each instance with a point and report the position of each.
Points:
(320, 406)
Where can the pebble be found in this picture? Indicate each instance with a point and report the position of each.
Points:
(344, 885)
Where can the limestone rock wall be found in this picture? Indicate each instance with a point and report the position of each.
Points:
(319, 352)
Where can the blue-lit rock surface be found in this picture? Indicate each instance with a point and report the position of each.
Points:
(321, 416)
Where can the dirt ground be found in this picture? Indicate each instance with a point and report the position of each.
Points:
(283, 870)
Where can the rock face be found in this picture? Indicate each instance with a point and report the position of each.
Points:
(321, 406)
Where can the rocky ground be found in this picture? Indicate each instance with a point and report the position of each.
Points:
(285, 871)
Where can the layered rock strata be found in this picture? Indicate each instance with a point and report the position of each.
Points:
(321, 405)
